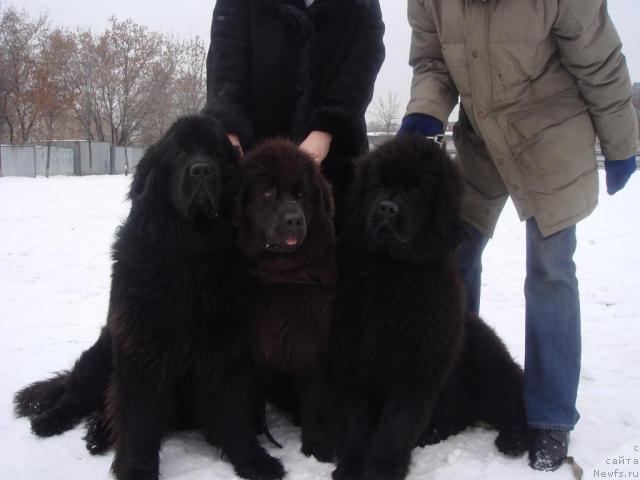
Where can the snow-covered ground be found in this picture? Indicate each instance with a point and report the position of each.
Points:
(55, 236)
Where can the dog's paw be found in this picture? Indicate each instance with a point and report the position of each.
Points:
(513, 442)
(97, 436)
(261, 467)
(432, 437)
(53, 422)
(349, 468)
(136, 472)
(387, 469)
(317, 449)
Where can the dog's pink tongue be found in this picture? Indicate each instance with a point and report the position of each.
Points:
(291, 241)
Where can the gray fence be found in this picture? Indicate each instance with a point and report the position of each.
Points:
(97, 158)
(18, 161)
(68, 158)
(133, 155)
(97, 161)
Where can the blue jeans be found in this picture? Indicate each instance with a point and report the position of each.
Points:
(552, 343)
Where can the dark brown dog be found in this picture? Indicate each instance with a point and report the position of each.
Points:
(285, 228)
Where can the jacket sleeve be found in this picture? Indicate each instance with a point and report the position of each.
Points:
(433, 91)
(591, 50)
(341, 111)
(228, 68)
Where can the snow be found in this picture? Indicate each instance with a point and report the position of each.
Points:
(54, 259)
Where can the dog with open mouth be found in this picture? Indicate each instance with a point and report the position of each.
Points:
(284, 220)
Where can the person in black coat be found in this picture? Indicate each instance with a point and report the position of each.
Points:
(299, 69)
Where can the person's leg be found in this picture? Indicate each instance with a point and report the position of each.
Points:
(470, 264)
(552, 347)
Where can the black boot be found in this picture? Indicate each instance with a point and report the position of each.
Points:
(548, 449)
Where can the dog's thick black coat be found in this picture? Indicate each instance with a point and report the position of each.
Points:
(285, 230)
(177, 320)
(398, 334)
(486, 385)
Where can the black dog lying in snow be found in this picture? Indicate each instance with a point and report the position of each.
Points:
(406, 364)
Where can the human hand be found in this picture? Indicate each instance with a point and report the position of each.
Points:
(317, 145)
(618, 173)
(235, 141)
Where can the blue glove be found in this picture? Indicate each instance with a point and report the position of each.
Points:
(618, 173)
(421, 123)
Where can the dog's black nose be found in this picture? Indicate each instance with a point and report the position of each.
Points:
(389, 209)
(201, 170)
(293, 221)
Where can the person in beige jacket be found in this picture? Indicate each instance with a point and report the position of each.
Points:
(537, 80)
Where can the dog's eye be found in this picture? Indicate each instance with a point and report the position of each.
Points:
(269, 193)
(300, 194)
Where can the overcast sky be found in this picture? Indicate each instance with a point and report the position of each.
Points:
(187, 18)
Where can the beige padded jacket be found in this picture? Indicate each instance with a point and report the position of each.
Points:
(537, 81)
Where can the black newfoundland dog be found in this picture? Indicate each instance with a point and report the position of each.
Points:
(177, 329)
(398, 339)
(285, 229)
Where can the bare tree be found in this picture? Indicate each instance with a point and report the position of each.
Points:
(53, 96)
(21, 37)
(81, 82)
(125, 85)
(191, 81)
(4, 89)
(386, 111)
(162, 92)
(4, 78)
(136, 70)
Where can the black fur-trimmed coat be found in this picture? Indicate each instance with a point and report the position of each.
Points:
(279, 69)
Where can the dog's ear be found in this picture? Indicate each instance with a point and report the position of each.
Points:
(363, 170)
(362, 166)
(450, 231)
(142, 185)
(447, 210)
(353, 221)
(238, 208)
(324, 195)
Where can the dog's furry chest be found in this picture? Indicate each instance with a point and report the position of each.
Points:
(179, 314)
(291, 325)
(398, 329)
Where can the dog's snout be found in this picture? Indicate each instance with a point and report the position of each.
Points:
(201, 170)
(294, 221)
(389, 209)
